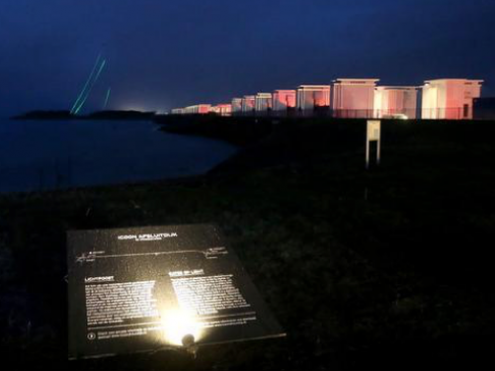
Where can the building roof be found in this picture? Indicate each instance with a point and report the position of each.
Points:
(355, 81)
(452, 80)
(397, 87)
(310, 87)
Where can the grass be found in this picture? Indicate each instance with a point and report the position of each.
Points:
(385, 268)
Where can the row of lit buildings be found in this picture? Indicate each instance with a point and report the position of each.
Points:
(357, 98)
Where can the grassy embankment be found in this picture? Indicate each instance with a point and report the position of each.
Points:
(389, 267)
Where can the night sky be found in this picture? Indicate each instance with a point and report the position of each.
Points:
(172, 53)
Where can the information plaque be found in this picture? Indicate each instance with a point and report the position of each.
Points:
(373, 134)
(143, 289)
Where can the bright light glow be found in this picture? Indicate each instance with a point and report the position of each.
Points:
(179, 323)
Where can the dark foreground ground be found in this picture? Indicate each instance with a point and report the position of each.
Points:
(389, 268)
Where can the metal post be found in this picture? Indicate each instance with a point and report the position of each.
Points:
(40, 174)
(378, 146)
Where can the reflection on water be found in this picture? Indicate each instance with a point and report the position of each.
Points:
(42, 155)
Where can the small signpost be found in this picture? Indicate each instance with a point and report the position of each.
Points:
(373, 134)
(143, 289)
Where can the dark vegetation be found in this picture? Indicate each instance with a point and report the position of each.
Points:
(100, 115)
(121, 115)
(45, 115)
(236, 130)
(388, 268)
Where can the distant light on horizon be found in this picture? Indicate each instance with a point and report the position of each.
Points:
(139, 107)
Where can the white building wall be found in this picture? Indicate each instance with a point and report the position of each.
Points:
(248, 103)
(263, 102)
(199, 109)
(224, 109)
(310, 97)
(430, 102)
(450, 99)
(283, 99)
(391, 101)
(354, 97)
(236, 105)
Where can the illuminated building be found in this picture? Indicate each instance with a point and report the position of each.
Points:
(199, 109)
(283, 99)
(353, 98)
(450, 99)
(396, 102)
(248, 103)
(224, 109)
(178, 111)
(236, 105)
(310, 97)
(263, 102)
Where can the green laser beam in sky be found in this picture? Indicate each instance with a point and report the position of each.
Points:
(91, 86)
(86, 84)
(88, 92)
(107, 98)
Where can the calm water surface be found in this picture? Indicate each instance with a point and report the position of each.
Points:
(43, 155)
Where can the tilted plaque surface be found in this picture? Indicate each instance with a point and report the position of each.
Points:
(142, 289)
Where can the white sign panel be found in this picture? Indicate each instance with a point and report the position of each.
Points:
(373, 134)
(374, 130)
